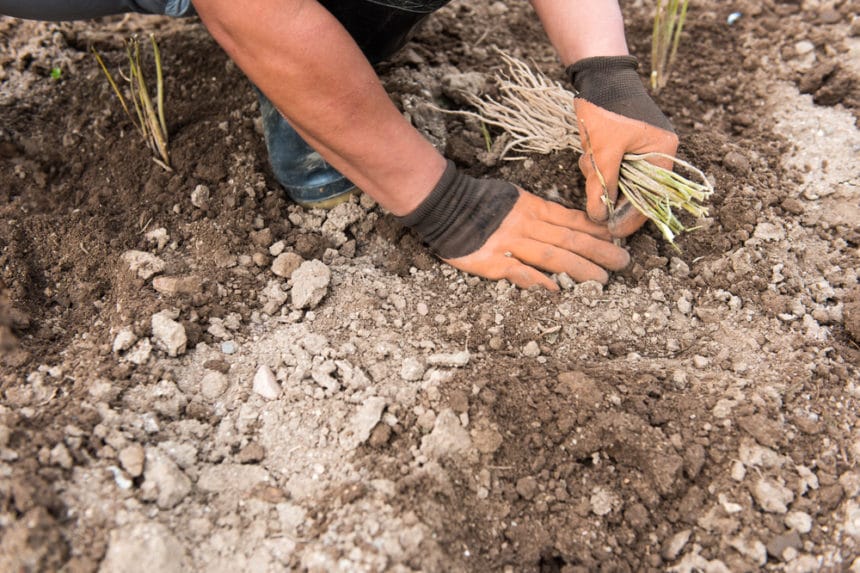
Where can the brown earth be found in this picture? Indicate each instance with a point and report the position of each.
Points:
(698, 413)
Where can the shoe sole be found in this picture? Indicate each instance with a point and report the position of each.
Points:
(330, 202)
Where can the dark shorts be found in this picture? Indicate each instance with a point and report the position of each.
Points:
(84, 9)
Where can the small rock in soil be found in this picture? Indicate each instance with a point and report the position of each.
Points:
(527, 487)
(251, 454)
(310, 284)
(380, 435)
(447, 438)
(602, 501)
(200, 197)
(285, 264)
(213, 384)
(486, 439)
(772, 496)
(455, 360)
(737, 163)
(850, 481)
(143, 264)
(412, 369)
(143, 548)
(172, 286)
(167, 333)
(265, 384)
(366, 418)
(124, 340)
(164, 482)
(675, 545)
(798, 521)
(131, 459)
(531, 350)
(458, 86)
(779, 544)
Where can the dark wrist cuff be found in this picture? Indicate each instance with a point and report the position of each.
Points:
(612, 83)
(461, 213)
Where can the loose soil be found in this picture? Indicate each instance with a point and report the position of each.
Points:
(699, 413)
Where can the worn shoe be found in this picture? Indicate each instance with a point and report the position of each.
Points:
(307, 178)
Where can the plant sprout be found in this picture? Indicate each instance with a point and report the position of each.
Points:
(538, 114)
(147, 118)
(668, 24)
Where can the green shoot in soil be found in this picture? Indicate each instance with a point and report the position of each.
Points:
(148, 118)
(539, 116)
(668, 24)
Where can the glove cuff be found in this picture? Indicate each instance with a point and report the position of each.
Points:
(612, 83)
(461, 213)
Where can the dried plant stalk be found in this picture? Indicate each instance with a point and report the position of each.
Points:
(539, 116)
(148, 117)
(669, 19)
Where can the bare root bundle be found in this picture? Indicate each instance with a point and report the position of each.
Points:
(148, 118)
(539, 116)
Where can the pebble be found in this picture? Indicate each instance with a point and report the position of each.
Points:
(455, 360)
(850, 482)
(228, 347)
(459, 85)
(159, 237)
(172, 286)
(531, 350)
(772, 496)
(852, 519)
(675, 545)
(124, 340)
(700, 362)
(167, 333)
(213, 384)
(366, 418)
(803, 47)
(310, 284)
(144, 547)
(798, 521)
(60, 456)
(265, 384)
(143, 264)
(412, 369)
(139, 354)
(421, 308)
(164, 482)
(736, 162)
(769, 232)
(285, 264)
(565, 282)
(200, 197)
(131, 459)
(781, 545)
(527, 487)
(251, 454)
(601, 501)
(277, 248)
(447, 438)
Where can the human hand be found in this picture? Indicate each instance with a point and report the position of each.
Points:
(492, 229)
(616, 116)
(541, 235)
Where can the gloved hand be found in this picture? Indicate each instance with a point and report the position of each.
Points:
(615, 117)
(492, 229)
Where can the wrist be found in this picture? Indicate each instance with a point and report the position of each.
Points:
(461, 212)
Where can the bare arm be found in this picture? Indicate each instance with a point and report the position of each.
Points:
(583, 29)
(307, 64)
